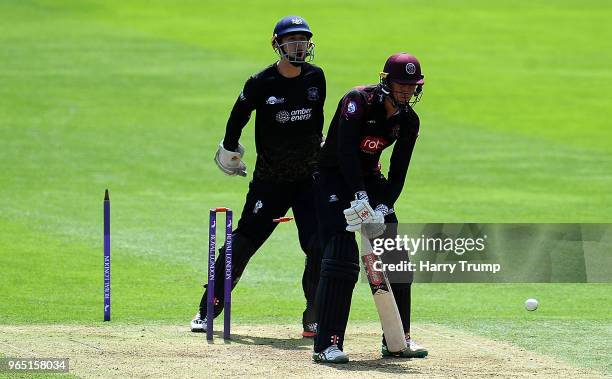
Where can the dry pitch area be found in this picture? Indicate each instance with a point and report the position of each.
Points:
(269, 350)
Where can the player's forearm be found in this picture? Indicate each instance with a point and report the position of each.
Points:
(397, 178)
(395, 190)
(398, 168)
(348, 155)
(238, 119)
(351, 171)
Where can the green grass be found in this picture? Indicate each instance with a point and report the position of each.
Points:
(579, 341)
(134, 97)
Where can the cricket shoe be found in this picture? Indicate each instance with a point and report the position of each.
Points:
(330, 355)
(310, 330)
(198, 325)
(413, 350)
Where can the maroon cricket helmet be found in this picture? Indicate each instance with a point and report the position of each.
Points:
(403, 68)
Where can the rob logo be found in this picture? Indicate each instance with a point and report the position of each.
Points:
(372, 144)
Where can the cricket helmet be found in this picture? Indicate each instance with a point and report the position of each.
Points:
(296, 52)
(402, 68)
(291, 24)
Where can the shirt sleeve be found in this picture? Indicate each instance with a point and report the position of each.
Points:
(400, 160)
(349, 125)
(240, 115)
(322, 107)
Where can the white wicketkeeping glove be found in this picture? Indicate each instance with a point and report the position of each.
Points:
(360, 212)
(230, 162)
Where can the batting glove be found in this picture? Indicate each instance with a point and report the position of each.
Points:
(377, 227)
(360, 212)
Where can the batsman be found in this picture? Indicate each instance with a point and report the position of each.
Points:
(288, 98)
(353, 195)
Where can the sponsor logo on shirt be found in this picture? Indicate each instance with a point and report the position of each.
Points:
(313, 94)
(351, 107)
(372, 144)
(282, 117)
(275, 100)
(302, 114)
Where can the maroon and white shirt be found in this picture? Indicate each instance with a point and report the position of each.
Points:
(358, 134)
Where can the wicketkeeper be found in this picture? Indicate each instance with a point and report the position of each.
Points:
(288, 98)
(352, 192)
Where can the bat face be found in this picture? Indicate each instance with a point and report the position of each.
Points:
(376, 278)
(383, 298)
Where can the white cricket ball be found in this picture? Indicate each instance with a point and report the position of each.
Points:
(531, 304)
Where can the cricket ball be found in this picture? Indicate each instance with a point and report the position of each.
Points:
(531, 304)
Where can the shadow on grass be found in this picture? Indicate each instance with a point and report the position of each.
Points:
(386, 365)
(277, 343)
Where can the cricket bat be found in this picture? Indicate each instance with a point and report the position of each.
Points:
(383, 298)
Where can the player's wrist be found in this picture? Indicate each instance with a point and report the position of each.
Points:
(237, 148)
(382, 208)
(229, 147)
(362, 195)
